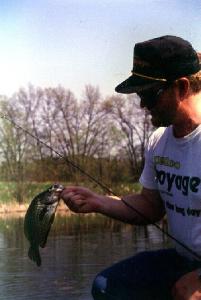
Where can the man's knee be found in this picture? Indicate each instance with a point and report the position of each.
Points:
(99, 287)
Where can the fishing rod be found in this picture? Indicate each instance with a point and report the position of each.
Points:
(103, 186)
(68, 161)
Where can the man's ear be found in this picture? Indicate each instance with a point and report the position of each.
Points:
(183, 86)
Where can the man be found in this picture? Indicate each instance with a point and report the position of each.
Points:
(166, 76)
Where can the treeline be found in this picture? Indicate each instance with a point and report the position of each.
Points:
(104, 137)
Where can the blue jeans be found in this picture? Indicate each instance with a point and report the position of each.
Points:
(148, 275)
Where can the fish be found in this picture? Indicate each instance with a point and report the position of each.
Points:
(39, 218)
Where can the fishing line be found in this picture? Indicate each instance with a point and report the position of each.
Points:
(103, 186)
(68, 161)
(195, 254)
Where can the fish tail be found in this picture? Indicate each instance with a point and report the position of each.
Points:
(34, 255)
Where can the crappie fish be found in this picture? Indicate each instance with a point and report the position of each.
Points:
(39, 218)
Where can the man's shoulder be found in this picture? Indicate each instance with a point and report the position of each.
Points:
(158, 134)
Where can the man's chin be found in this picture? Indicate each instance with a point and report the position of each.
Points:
(156, 122)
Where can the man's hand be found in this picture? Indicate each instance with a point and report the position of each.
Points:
(188, 287)
(80, 199)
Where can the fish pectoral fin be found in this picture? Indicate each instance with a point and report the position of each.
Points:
(43, 243)
(34, 255)
(42, 213)
(44, 239)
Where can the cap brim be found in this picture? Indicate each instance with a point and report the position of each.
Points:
(135, 84)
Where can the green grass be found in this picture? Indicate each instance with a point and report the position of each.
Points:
(31, 189)
(6, 192)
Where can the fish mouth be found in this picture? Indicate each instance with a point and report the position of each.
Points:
(54, 191)
(57, 188)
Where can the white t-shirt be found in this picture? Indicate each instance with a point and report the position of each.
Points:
(173, 167)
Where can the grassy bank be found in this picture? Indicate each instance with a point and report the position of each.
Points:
(8, 190)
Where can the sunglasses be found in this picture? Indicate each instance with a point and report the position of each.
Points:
(151, 96)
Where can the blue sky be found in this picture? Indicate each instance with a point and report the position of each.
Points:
(74, 43)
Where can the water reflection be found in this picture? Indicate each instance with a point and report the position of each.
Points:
(77, 249)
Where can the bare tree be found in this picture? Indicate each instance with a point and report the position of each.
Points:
(14, 147)
(135, 125)
(99, 136)
(79, 128)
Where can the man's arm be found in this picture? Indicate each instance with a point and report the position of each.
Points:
(188, 287)
(148, 203)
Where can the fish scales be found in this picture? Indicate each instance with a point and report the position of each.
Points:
(39, 218)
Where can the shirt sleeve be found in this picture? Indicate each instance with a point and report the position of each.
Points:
(148, 176)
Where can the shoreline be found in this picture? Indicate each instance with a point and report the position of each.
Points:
(16, 208)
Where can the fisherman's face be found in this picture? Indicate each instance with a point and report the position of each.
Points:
(162, 104)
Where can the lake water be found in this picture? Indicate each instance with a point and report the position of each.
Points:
(78, 247)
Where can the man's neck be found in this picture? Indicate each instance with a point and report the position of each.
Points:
(181, 131)
(190, 117)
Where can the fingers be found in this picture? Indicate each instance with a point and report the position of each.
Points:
(73, 198)
(72, 191)
(80, 199)
(74, 205)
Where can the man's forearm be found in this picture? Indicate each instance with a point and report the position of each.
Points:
(140, 211)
